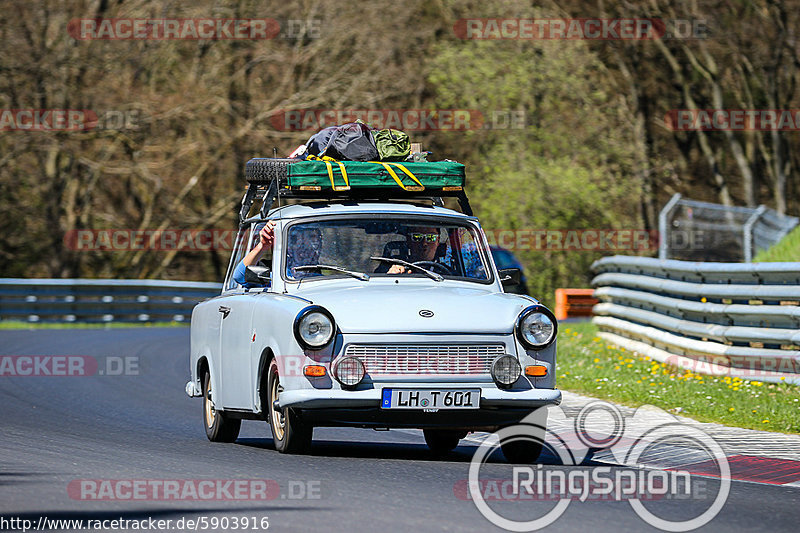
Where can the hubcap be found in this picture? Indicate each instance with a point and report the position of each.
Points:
(278, 421)
(211, 413)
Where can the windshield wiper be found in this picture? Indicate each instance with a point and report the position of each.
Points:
(357, 275)
(433, 275)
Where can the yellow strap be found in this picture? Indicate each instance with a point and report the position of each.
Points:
(392, 173)
(387, 165)
(394, 176)
(328, 160)
(409, 174)
(330, 173)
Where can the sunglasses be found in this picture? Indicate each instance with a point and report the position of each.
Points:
(424, 237)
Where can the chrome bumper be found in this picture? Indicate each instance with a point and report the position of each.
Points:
(490, 397)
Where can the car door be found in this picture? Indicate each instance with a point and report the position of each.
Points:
(235, 340)
(235, 317)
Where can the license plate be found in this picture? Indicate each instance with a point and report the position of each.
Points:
(431, 399)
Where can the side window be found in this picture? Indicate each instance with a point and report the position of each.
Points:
(470, 256)
(266, 255)
(240, 247)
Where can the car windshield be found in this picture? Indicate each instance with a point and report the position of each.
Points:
(385, 247)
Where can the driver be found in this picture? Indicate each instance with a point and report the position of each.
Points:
(422, 243)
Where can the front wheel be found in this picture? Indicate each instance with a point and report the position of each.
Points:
(219, 428)
(530, 433)
(522, 452)
(289, 433)
(442, 440)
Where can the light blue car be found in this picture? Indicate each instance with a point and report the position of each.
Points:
(377, 315)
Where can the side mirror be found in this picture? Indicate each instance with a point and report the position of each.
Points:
(257, 274)
(510, 277)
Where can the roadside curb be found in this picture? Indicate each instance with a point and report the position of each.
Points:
(753, 456)
(734, 441)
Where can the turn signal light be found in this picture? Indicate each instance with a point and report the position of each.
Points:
(314, 371)
(536, 371)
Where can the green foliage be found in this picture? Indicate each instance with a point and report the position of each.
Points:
(568, 167)
(593, 150)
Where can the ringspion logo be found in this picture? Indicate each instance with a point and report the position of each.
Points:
(599, 426)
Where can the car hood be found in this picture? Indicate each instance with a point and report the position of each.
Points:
(388, 308)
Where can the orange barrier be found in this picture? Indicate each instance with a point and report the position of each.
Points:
(571, 303)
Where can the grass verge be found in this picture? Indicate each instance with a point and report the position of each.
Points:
(588, 365)
(788, 249)
(19, 324)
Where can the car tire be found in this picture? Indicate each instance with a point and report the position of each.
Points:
(527, 450)
(219, 428)
(263, 171)
(289, 433)
(442, 440)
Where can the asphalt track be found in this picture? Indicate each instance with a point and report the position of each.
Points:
(56, 430)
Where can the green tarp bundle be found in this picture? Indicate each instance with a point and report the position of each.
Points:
(339, 175)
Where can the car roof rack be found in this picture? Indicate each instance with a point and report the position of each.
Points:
(276, 188)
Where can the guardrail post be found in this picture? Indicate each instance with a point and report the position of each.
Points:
(748, 232)
(662, 225)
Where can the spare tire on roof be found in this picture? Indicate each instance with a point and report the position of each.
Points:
(265, 170)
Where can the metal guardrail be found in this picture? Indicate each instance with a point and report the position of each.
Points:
(737, 319)
(101, 300)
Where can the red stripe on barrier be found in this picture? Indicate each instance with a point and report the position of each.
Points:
(752, 468)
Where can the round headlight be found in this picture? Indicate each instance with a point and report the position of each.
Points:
(349, 371)
(506, 370)
(536, 327)
(314, 328)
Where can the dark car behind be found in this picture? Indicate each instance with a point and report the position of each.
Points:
(505, 259)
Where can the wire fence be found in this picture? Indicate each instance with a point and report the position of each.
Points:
(702, 231)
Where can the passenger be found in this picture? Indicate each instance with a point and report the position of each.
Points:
(266, 238)
(305, 245)
(304, 249)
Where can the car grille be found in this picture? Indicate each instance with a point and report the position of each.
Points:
(404, 359)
